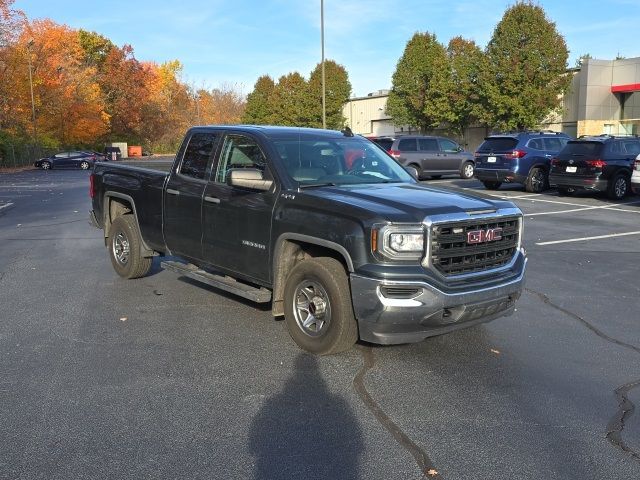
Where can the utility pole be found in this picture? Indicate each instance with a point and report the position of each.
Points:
(33, 103)
(324, 102)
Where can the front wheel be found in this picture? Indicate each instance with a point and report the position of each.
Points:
(492, 185)
(45, 166)
(466, 171)
(125, 246)
(318, 310)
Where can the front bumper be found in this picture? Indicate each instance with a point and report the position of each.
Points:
(431, 312)
(579, 183)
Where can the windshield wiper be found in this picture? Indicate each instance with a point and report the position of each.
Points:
(313, 185)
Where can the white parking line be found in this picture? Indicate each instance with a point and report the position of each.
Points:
(566, 211)
(5, 205)
(584, 239)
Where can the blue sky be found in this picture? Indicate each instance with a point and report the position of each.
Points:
(234, 42)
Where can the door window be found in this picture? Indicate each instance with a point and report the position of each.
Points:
(197, 155)
(239, 151)
(536, 144)
(449, 146)
(554, 144)
(408, 145)
(428, 145)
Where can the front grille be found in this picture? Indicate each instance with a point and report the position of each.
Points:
(452, 255)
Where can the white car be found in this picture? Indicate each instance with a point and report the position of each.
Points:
(635, 176)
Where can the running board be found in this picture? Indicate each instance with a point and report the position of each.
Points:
(228, 284)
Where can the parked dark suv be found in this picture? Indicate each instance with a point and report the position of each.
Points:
(432, 156)
(601, 163)
(522, 157)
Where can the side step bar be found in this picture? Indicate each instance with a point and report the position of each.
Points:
(228, 284)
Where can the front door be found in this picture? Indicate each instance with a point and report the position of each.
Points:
(183, 196)
(237, 221)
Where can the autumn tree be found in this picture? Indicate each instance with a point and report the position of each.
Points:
(526, 62)
(420, 84)
(466, 61)
(219, 106)
(337, 93)
(260, 108)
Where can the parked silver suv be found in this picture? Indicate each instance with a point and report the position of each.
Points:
(433, 156)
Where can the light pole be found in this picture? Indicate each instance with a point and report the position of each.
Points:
(324, 103)
(33, 103)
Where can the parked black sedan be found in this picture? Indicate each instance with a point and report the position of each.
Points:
(75, 159)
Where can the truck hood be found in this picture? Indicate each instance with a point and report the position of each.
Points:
(403, 202)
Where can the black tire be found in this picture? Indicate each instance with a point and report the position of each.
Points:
(125, 246)
(618, 187)
(467, 170)
(45, 165)
(564, 191)
(418, 169)
(537, 180)
(492, 185)
(321, 286)
(84, 165)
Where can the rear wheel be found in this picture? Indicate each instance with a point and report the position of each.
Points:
(467, 170)
(318, 310)
(618, 187)
(84, 165)
(125, 246)
(418, 169)
(492, 185)
(537, 181)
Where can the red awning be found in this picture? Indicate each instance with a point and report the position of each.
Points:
(632, 87)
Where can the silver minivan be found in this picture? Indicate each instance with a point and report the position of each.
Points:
(433, 156)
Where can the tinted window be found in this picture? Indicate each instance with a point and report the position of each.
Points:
(536, 143)
(631, 147)
(448, 146)
(197, 154)
(554, 144)
(239, 151)
(498, 144)
(428, 144)
(385, 143)
(579, 148)
(408, 145)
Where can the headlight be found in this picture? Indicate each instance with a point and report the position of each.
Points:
(401, 242)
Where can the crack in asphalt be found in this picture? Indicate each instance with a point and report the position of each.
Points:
(625, 406)
(421, 458)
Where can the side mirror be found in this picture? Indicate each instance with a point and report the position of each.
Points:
(248, 178)
(413, 172)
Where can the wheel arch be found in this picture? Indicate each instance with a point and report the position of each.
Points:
(292, 248)
(116, 204)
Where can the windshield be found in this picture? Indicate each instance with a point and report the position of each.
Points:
(315, 161)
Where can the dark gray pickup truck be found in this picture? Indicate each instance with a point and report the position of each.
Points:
(326, 226)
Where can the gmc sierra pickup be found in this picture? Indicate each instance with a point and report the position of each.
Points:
(341, 239)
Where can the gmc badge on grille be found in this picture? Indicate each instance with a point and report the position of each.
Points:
(483, 236)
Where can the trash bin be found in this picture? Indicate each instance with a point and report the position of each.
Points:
(113, 153)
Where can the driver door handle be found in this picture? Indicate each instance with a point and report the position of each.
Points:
(212, 199)
(171, 191)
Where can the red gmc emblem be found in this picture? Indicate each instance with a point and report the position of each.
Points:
(482, 236)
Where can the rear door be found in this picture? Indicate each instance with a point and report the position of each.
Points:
(237, 221)
(183, 195)
(430, 158)
(408, 152)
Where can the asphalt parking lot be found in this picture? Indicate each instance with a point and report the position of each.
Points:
(161, 378)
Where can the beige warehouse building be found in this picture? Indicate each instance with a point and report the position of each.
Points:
(604, 98)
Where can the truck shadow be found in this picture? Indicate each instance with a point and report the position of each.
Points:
(305, 431)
